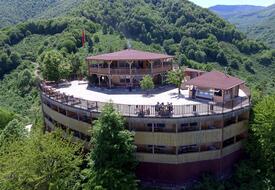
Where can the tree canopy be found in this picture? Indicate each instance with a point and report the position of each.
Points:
(176, 77)
(147, 83)
(112, 161)
(263, 129)
(41, 161)
(5, 118)
(54, 66)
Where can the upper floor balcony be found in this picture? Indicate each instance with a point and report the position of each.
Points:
(105, 70)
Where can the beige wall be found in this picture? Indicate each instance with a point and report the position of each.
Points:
(178, 159)
(235, 129)
(188, 138)
(69, 122)
(188, 157)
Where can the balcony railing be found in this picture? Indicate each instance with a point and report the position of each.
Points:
(175, 111)
(127, 71)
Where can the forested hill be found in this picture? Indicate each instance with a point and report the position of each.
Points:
(15, 11)
(197, 37)
(256, 22)
(194, 34)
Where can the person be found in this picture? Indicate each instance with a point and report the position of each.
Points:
(170, 108)
(193, 93)
(157, 107)
(136, 110)
(141, 111)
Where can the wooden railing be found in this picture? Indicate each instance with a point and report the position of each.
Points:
(127, 71)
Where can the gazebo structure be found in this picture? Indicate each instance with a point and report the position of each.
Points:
(215, 86)
(127, 67)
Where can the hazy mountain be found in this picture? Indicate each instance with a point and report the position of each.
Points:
(227, 11)
(256, 22)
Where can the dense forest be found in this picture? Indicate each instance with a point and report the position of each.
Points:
(198, 39)
(15, 11)
(256, 22)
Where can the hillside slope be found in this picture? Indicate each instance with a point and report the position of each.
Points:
(15, 11)
(197, 37)
(257, 24)
(186, 30)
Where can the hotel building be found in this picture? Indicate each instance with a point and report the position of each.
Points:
(178, 137)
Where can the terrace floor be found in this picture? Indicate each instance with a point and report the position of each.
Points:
(79, 89)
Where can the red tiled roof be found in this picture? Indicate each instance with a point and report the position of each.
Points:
(129, 54)
(215, 80)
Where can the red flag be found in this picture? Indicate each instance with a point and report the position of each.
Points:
(83, 38)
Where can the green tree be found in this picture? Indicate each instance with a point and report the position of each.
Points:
(5, 118)
(96, 38)
(13, 131)
(65, 70)
(176, 77)
(263, 128)
(76, 63)
(112, 160)
(25, 81)
(147, 83)
(221, 58)
(41, 161)
(50, 65)
(183, 60)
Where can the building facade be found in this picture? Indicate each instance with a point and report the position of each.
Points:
(176, 142)
(127, 67)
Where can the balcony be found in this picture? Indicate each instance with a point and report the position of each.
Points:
(128, 71)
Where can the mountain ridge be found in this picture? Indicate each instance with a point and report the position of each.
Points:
(257, 24)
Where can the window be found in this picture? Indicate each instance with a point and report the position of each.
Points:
(184, 125)
(189, 127)
(62, 111)
(218, 92)
(188, 149)
(149, 125)
(124, 80)
(159, 149)
(228, 142)
(159, 127)
(229, 121)
(193, 124)
(241, 137)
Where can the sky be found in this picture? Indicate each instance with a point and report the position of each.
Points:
(209, 3)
